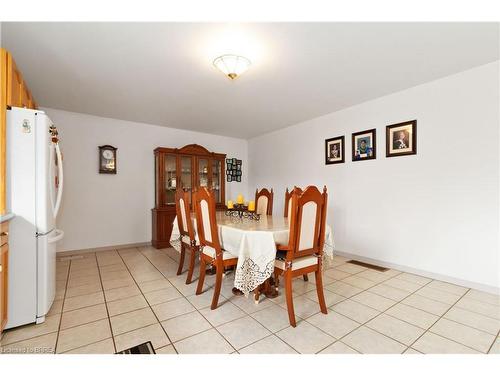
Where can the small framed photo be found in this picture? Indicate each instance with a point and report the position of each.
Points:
(229, 178)
(401, 139)
(334, 150)
(364, 145)
(238, 179)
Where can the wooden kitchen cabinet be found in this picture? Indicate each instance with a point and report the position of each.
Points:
(4, 273)
(18, 93)
(3, 128)
(14, 83)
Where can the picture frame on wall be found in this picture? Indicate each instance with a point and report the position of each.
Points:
(234, 170)
(335, 150)
(401, 139)
(364, 145)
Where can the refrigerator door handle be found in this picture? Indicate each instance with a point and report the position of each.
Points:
(61, 179)
(51, 177)
(57, 237)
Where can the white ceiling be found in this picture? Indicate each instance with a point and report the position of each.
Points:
(162, 73)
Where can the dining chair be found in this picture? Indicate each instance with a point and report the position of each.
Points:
(186, 230)
(288, 203)
(304, 251)
(264, 201)
(211, 251)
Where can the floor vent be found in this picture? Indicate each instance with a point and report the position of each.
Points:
(73, 257)
(368, 265)
(145, 348)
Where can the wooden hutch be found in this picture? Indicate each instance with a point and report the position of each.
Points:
(188, 168)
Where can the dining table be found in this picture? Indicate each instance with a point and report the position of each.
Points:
(254, 243)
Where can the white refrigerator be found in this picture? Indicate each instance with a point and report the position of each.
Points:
(34, 191)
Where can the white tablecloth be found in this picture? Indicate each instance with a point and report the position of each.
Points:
(254, 242)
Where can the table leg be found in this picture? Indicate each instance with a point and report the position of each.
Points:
(268, 290)
(237, 292)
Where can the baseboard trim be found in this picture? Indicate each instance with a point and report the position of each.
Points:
(103, 248)
(432, 275)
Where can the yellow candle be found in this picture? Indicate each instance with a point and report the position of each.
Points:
(230, 204)
(251, 206)
(239, 200)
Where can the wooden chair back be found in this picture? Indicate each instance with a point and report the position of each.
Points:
(206, 223)
(264, 201)
(288, 202)
(184, 214)
(307, 222)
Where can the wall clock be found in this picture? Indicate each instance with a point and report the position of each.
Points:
(107, 159)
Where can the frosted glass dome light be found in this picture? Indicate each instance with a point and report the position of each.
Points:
(232, 65)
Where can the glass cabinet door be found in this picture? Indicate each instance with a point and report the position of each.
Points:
(186, 174)
(216, 179)
(170, 179)
(203, 172)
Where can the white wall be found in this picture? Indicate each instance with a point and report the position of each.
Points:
(103, 210)
(436, 212)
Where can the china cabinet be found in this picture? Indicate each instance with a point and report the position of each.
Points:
(188, 168)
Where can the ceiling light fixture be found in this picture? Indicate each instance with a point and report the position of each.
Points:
(232, 65)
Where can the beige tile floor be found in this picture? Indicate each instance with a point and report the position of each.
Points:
(109, 301)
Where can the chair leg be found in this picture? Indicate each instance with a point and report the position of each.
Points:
(217, 287)
(306, 278)
(257, 295)
(189, 277)
(181, 261)
(289, 298)
(263, 288)
(201, 279)
(319, 290)
(276, 280)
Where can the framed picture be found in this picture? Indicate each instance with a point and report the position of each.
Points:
(364, 145)
(334, 150)
(233, 170)
(401, 139)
